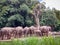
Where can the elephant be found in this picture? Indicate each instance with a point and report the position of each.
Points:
(18, 31)
(29, 31)
(32, 30)
(45, 30)
(6, 32)
(26, 31)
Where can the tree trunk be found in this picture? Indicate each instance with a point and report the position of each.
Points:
(36, 19)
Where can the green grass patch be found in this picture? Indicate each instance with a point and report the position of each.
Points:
(34, 41)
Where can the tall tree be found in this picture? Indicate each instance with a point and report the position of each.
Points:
(36, 14)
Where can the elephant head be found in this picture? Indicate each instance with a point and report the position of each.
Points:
(26, 31)
(6, 32)
(19, 31)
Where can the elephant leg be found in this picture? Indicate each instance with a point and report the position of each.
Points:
(20, 35)
(2, 36)
(17, 35)
(37, 33)
(42, 34)
(46, 34)
(26, 33)
(14, 35)
(9, 36)
(30, 33)
(23, 33)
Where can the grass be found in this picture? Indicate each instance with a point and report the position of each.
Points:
(34, 41)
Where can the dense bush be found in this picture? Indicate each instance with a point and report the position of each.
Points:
(34, 41)
(57, 28)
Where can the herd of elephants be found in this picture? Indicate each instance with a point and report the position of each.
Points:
(18, 32)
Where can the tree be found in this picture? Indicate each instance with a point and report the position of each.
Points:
(15, 20)
(24, 11)
(2, 22)
(36, 14)
(57, 13)
(48, 18)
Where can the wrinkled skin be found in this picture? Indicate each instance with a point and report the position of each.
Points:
(45, 30)
(6, 32)
(19, 32)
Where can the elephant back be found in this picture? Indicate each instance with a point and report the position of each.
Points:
(19, 28)
(26, 28)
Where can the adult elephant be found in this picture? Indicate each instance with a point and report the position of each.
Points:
(6, 32)
(45, 30)
(19, 31)
(29, 31)
(26, 31)
(32, 30)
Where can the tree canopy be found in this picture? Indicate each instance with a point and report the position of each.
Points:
(19, 13)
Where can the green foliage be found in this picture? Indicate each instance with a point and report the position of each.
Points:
(24, 9)
(10, 11)
(15, 20)
(48, 18)
(57, 12)
(18, 13)
(34, 41)
(2, 22)
(57, 28)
